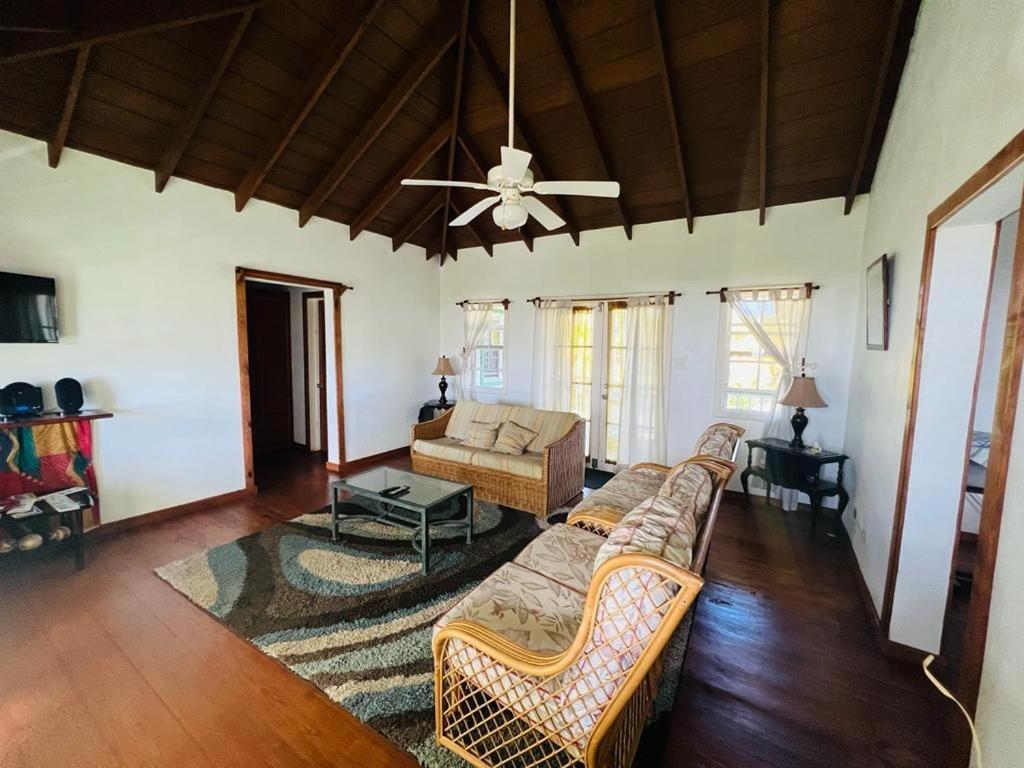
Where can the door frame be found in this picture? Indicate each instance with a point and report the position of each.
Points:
(321, 364)
(1008, 388)
(242, 274)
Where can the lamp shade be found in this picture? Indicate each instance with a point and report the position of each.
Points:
(443, 367)
(803, 393)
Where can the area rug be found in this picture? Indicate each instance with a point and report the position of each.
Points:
(354, 618)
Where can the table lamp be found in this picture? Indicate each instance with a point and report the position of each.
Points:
(442, 369)
(802, 393)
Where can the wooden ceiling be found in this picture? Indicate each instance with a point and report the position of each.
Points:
(697, 107)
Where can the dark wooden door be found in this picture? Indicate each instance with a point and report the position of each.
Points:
(270, 367)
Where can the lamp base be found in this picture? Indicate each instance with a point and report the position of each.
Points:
(443, 386)
(799, 422)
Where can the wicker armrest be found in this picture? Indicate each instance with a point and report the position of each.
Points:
(599, 520)
(431, 430)
(563, 466)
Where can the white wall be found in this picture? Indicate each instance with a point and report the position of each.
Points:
(810, 241)
(949, 363)
(959, 103)
(147, 307)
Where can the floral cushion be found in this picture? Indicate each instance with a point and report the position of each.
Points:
(657, 526)
(688, 484)
(625, 490)
(718, 440)
(563, 553)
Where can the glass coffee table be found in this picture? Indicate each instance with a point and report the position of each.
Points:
(430, 502)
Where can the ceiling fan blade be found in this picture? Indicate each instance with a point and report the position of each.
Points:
(548, 218)
(588, 188)
(473, 211)
(514, 163)
(437, 183)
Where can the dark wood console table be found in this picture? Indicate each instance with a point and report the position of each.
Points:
(799, 470)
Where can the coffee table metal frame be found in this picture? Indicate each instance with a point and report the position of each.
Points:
(400, 513)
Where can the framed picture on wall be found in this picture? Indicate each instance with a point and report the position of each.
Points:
(878, 303)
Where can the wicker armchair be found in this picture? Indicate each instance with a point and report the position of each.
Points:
(561, 470)
(554, 660)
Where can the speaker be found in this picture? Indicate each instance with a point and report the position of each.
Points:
(69, 395)
(20, 399)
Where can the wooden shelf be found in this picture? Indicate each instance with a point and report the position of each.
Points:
(55, 418)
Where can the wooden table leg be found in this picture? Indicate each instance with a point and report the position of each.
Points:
(79, 534)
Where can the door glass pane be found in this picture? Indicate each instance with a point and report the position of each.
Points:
(582, 368)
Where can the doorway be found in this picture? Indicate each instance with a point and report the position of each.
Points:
(290, 371)
(970, 237)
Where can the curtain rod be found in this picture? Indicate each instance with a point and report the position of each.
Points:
(671, 297)
(503, 302)
(720, 293)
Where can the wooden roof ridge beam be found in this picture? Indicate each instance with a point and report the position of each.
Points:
(474, 227)
(60, 134)
(197, 106)
(662, 46)
(470, 150)
(576, 81)
(430, 54)
(415, 223)
(884, 71)
(430, 147)
(460, 71)
(762, 182)
(102, 21)
(335, 55)
(479, 46)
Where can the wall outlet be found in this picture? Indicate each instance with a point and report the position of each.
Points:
(679, 363)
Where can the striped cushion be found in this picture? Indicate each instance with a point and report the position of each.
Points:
(549, 426)
(512, 438)
(466, 412)
(482, 435)
(447, 449)
(527, 465)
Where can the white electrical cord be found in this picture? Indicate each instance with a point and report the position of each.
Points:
(975, 743)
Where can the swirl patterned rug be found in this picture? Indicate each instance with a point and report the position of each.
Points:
(354, 618)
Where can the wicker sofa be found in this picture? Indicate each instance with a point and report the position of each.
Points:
(602, 509)
(547, 475)
(554, 659)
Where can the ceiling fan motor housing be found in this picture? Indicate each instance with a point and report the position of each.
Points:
(496, 178)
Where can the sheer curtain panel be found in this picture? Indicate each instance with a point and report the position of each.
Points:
(475, 318)
(552, 356)
(644, 414)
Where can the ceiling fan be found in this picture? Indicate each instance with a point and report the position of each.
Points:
(512, 180)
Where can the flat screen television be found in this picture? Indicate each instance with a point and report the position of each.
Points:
(28, 309)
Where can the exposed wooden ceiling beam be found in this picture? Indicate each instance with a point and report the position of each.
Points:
(197, 107)
(460, 71)
(414, 224)
(582, 97)
(762, 184)
(474, 227)
(330, 62)
(56, 144)
(661, 45)
(474, 157)
(430, 54)
(884, 72)
(390, 188)
(101, 21)
(500, 83)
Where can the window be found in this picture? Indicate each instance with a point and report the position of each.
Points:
(582, 383)
(490, 362)
(748, 377)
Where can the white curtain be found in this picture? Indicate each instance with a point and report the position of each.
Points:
(552, 356)
(644, 414)
(475, 317)
(778, 318)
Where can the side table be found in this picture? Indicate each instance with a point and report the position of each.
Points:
(430, 408)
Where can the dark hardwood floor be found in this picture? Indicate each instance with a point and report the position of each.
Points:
(111, 667)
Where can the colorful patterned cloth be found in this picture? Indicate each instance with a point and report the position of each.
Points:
(47, 458)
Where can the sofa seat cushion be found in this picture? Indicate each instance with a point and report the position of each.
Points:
(448, 449)
(565, 554)
(524, 607)
(625, 490)
(529, 465)
(718, 440)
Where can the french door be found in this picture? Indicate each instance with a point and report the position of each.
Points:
(598, 373)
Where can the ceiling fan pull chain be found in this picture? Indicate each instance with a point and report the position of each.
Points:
(511, 69)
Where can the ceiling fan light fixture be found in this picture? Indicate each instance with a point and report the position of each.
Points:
(510, 215)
